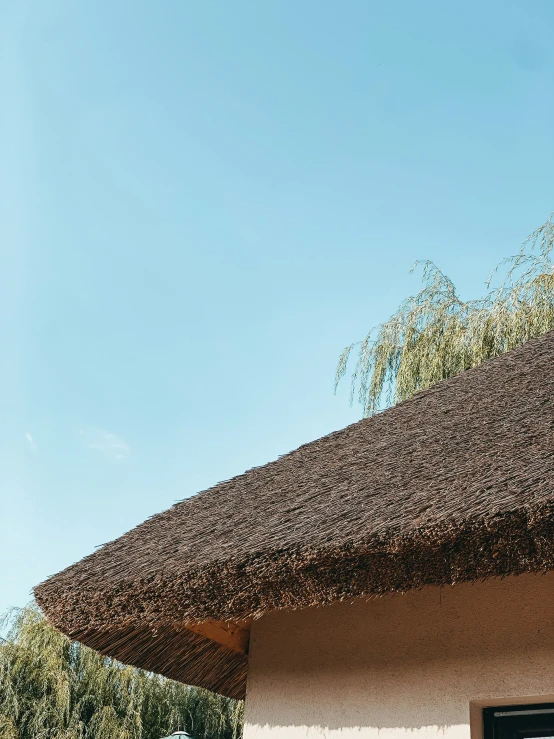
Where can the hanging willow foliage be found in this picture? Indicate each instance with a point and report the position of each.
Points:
(435, 334)
(51, 688)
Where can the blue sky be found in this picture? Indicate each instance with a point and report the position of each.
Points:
(202, 203)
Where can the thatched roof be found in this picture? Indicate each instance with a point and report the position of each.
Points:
(455, 484)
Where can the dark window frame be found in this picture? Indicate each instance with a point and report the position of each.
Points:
(522, 721)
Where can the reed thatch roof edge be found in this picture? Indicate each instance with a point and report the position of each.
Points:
(456, 484)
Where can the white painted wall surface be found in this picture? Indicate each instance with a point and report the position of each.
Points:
(402, 666)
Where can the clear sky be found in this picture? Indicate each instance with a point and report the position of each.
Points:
(203, 202)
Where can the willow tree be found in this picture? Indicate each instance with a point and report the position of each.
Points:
(435, 334)
(51, 688)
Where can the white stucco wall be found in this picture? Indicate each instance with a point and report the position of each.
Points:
(402, 665)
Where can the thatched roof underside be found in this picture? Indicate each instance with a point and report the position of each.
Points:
(456, 484)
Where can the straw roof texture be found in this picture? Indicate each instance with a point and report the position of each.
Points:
(455, 484)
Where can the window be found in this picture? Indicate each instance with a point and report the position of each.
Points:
(519, 722)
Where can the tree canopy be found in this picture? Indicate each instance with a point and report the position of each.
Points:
(51, 688)
(435, 334)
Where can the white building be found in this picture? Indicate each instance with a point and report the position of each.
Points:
(391, 579)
